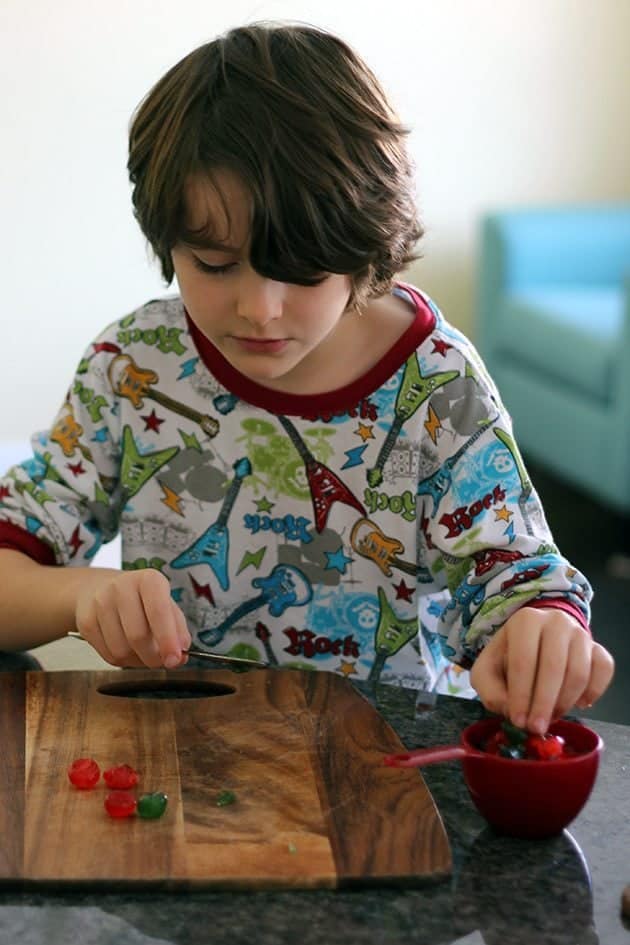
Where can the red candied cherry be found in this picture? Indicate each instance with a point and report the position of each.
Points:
(544, 747)
(120, 804)
(120, 777)
(84, 773)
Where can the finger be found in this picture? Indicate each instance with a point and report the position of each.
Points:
(114, 638)
(95, 638)
(487, 675)
(160, 616)
(602, 672)
(577, 673)
(136, 628)
(522, 666)
(553, 657)
(185, 638)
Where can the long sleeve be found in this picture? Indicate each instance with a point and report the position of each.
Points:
(64, 501)
(483, 528)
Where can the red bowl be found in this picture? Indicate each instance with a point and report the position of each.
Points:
(525, 798)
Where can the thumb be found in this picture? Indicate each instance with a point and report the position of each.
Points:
(488, 676)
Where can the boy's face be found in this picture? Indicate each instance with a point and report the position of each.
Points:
(279, 334)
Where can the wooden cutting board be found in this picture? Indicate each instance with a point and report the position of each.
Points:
(302, 752)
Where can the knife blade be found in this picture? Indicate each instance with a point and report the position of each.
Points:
(198, 653)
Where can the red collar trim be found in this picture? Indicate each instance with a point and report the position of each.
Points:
(330, 402)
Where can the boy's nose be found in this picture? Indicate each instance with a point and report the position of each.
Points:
(260, 299)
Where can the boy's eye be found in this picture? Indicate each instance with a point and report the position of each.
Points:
(212, 270)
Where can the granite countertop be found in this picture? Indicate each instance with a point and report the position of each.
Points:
(562, 891)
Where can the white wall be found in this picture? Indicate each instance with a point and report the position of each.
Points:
(516, 101)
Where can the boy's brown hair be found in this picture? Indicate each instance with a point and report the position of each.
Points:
(304, 123)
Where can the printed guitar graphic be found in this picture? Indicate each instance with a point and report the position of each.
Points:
(326, 488)
(526, 484)
(413, 391)
(133, 382)
(284, 587)
(439, 483)
(137, 468)
(213, 545)
(67, 432)
(369, 541)
(392, 633)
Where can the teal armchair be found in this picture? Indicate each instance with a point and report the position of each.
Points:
(553, 325)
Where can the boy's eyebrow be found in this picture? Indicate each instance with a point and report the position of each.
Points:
(207, 243)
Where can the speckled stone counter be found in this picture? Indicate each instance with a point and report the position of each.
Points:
(563, 891)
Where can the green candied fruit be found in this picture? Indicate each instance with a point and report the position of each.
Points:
(225, 798)
(516, 736)
(152, 806)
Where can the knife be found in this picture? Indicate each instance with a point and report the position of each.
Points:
(240, 661)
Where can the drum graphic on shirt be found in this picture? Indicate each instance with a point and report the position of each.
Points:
(285, 586)
(213, 545)
(413, 391)
(326, 488)
(135, 383)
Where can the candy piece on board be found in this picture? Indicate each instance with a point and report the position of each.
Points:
(151, 806)
(224, 798)
(121, 777)
(120, 804)
(84, 773)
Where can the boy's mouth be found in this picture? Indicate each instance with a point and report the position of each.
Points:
(262, 345)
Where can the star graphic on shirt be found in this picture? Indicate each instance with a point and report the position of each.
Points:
(503, 514)
(402, 591)
(202, 590)
(5, 493)
(76, 469)
(171, 499)
(152, 422)
(264, 505)
(355, 457)
(346, 668)
(337, 560)
(440, 346)
(365, 432)
(75, 542)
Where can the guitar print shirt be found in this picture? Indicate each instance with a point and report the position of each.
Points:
(372, 531)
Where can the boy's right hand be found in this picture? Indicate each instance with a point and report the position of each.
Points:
(131, 619)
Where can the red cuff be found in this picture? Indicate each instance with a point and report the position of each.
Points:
(558, 603)
(18, 539)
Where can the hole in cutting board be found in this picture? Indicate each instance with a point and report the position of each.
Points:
(169, 689)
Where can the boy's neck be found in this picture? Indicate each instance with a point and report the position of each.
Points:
(368, 335)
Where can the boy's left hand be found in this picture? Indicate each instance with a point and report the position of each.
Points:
(538, 666)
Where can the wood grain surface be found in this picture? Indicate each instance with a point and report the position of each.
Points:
(302, 752)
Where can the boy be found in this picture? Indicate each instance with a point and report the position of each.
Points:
(305, 460)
